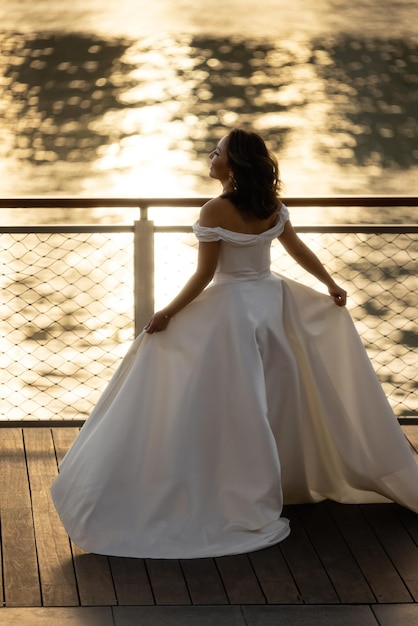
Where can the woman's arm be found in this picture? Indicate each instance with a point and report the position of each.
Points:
(206, 265)
(303, 255)
(207, 260)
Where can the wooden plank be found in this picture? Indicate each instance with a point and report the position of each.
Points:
(63, 438)
(20, 568)
(342, 568)
(94, 578)
(2, 600)
(56, 569)
(59, 616)
(131, 582)
(411, 433)
(93, 574)
(203, 581)
(409, 520)
(239, 579)
(310, 575)
(376, 566)
(397, 542)
(167, 581)
(274, 576)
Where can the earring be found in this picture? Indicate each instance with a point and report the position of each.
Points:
(233, 181)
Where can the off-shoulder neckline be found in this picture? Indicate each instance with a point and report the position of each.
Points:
(236, 232)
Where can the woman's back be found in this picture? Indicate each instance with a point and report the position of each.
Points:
(243, 255)
(221, 212)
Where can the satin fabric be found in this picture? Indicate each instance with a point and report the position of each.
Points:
(258, 393)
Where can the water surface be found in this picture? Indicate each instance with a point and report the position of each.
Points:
(129, 98)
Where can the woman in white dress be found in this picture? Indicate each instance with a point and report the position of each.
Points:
(258, 392)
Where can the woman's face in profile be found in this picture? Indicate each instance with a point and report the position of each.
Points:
(219, 168)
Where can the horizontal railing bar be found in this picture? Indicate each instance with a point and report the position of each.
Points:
(326, 228)
(63, 228)
(359, 228)
(305, 201)
(322, 228)
(69, 423)
(30, 423)
(80, 202)
(359, 201)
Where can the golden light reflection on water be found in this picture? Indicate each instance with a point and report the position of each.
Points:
(86, 115)
(136, 18)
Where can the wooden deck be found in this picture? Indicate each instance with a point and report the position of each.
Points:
(335, 555)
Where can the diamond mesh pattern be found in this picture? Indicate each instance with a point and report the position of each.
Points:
(67, 318)
(67, 310)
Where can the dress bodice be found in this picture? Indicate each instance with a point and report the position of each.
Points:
(242, 256)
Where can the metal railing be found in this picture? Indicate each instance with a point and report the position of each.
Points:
(75, 295)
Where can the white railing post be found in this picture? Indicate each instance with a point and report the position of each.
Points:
(143, 270)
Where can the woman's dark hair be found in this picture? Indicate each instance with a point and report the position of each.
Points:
(255, 174)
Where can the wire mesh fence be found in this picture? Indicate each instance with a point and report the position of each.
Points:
(67, 316)
(67, 310)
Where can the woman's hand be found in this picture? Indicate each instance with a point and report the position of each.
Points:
(157, 323)
(338, 294)
(206, 264)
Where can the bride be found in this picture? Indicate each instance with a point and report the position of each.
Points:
(246, 391)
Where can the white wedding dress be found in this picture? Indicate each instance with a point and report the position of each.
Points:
(258, 392)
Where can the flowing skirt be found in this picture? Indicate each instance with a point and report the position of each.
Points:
(258, 393)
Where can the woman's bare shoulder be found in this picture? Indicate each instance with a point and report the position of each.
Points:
(212, 213)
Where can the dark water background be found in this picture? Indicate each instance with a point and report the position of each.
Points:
(127, 99)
